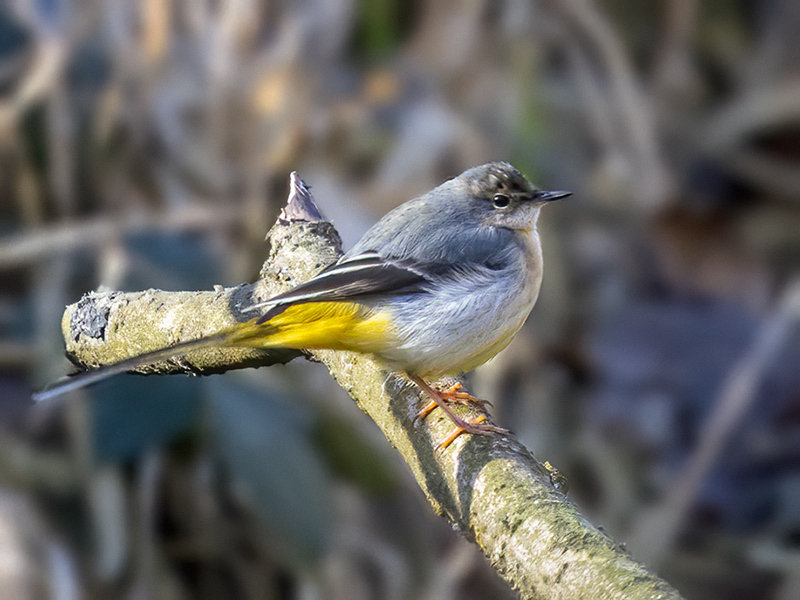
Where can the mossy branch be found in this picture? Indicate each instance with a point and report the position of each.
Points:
(490, 487)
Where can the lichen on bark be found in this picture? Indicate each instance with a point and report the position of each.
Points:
(490, 487)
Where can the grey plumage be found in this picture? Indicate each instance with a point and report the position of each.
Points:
(456, 271)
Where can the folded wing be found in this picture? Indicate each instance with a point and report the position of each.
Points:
(352, 278)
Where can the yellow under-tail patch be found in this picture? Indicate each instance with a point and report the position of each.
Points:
(333, 325)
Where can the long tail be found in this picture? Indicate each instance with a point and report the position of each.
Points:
(333, 325)
(81, 380)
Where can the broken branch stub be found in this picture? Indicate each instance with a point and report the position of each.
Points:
(490, 487)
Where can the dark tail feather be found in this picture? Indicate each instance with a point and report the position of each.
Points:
(81, 380)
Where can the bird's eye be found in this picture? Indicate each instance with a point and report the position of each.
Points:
(500, 201)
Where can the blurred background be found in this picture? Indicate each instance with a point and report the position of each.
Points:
(148, 144)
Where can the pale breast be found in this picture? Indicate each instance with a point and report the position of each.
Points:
(466, 320)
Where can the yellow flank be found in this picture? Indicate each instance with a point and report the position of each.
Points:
(333, 325)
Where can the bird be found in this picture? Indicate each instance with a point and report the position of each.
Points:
(436, 287)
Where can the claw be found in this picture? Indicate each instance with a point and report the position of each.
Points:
(454, 394)
(478, 426)
(453, 435)
(424, 411)
(451, 394)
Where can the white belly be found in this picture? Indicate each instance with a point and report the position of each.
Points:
(472, 319)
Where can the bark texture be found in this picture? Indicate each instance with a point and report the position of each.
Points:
(490, 487)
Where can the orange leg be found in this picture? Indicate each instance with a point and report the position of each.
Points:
(425, 410)
(440, 399)
(454, 393)
(453, 435)
(451, 394)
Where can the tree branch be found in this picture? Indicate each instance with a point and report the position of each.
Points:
(490, 487)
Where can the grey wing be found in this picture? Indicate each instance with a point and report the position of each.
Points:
(350, 278)
(412, 248)
(435, 241)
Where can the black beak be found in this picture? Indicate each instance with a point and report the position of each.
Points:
(543, 196)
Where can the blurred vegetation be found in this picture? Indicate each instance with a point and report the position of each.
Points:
(148, 144)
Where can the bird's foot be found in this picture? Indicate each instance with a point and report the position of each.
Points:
(477, 426)
(453, 395)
